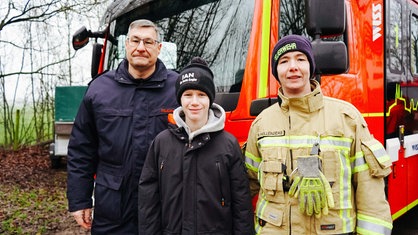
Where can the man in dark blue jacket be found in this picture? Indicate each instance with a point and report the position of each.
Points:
(121, 113)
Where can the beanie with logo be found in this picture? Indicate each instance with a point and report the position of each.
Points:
(198, 76)
(292, 43)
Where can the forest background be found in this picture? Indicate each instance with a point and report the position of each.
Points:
(36, 55)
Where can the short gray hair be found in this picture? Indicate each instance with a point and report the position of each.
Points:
(145, 23)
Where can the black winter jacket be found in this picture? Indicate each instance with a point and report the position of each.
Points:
(116, 122)
(195, 186)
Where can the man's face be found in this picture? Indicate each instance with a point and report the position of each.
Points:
(142, 49)
(294, 74)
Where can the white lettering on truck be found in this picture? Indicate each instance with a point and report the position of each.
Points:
(377, 21)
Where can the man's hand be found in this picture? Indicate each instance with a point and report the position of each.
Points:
(83, 218)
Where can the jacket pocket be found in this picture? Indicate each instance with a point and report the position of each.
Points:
(158, 120)
(330, 165)
(271, 174)
(107, 196)
(273, 215)
(109, 119)
(377, 158)
(114, 134)
(109, 181)
(336, 168)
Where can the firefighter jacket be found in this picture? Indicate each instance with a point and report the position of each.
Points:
(353, 162)
(118, 118)
(195, 182)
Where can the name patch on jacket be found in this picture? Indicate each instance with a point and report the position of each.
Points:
(163, 110)
(271, 133)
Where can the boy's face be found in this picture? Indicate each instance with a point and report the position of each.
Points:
(195, 105)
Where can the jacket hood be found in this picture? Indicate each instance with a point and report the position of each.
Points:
(216, 121)
(308, 103)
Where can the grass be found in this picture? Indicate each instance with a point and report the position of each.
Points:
(27, 133)
(32, 195)
(30, 211)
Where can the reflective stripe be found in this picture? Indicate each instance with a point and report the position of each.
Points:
(345, 192)
(252, 162)
(261, 206)
(345, 183)
(371, 225)
(380, 153)
(257, 229)
(359, 163)
(305, 141)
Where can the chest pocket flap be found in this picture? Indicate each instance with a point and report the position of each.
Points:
(109, 181)
(376, 157)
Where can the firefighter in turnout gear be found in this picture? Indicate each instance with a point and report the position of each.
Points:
(312, 160)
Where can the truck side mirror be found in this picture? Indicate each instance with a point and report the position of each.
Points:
(80, 38)
(330, 57)
(325, 17)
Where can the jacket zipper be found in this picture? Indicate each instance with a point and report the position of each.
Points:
(161, 167)
(220, 183)
(159, 178)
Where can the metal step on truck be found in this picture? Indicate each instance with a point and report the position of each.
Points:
(67, 101)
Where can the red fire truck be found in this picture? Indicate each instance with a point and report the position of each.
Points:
(366, 53)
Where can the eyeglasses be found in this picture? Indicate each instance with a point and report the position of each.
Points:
(148, 42)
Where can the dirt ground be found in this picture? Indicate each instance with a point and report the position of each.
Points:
(32, 195)
(33, 201)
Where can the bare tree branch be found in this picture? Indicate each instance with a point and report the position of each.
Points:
(36, 53)
(39, 70)
(43, 11)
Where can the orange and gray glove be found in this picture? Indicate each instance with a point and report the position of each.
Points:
(311, 187)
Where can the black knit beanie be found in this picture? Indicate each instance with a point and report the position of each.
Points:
(197, 75)
(292, 43)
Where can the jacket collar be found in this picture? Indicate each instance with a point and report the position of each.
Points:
(216, 121)
(155, 80)
(309, 103)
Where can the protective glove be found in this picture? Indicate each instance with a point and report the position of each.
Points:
(311, 187)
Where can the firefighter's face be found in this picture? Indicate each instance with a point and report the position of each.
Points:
(142, 49)
(294, 74)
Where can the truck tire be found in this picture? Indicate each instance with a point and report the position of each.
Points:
(55, 160)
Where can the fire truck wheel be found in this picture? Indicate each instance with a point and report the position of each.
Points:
(55, 160)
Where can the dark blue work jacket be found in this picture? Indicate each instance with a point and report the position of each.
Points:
(116, 122)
